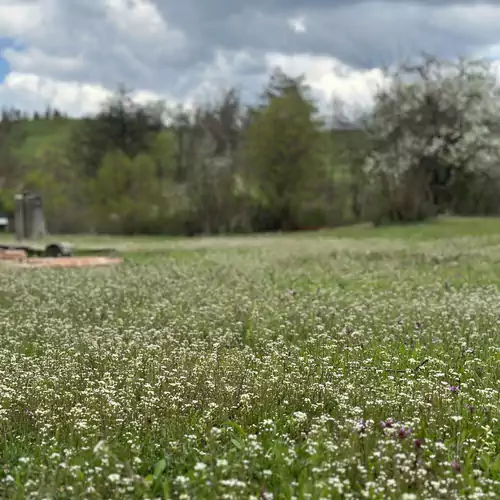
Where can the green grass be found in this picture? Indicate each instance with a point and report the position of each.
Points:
(451, 228)
(439, 228)
(245, 367)
(30, 137)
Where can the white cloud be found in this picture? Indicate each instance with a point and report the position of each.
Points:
(140, 21)
(327, 76)
(33, 59)
(18, 18)
(144, 18)
(74, 52)
(297, 24)
(331, 78)
(32, 92)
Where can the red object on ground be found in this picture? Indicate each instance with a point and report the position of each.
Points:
(72, 261)
(66, 262)
(13, 255)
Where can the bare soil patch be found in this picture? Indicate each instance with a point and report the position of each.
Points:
(20, 259)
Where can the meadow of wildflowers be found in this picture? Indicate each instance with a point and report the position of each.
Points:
(268, 367)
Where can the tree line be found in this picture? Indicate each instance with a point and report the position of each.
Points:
(429, 145)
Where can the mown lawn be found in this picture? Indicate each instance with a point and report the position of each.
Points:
(355, 363)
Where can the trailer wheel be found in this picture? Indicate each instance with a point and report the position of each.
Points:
(58, 250)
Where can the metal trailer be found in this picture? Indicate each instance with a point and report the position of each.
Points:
(50, 250)
(29, 224)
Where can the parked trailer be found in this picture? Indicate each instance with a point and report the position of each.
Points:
(50, 250)
(29, 223)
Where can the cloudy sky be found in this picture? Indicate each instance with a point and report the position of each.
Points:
(72, 53)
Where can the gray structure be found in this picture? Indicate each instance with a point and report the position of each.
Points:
(29, 219)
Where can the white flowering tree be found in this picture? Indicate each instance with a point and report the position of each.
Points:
(434, 125)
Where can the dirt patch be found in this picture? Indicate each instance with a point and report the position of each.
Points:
(13, 255)
(73, 262)
(20, 259)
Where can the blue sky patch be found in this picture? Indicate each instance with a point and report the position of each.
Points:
(4, 67)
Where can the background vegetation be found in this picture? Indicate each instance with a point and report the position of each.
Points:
(429, 146)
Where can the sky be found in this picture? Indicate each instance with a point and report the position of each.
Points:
(71, 54)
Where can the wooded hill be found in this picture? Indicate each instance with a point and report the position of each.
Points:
(223, 168)
(429, 146)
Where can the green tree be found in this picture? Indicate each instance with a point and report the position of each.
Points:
(145, 193)
(126, 194)
(121, 124)
(51, 173)
(283, 149)
(11, 169)
(163, 151)
(109, 192)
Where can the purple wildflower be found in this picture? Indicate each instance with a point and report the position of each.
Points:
(361, 427)
(418, 443)
(404, 432)
(387, 424)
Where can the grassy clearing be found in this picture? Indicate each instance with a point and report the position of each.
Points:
(363, 365)
(487, 229)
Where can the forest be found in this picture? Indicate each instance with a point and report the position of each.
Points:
(430, 145)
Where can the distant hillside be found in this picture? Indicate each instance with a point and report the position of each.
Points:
(44, 154)
(27, 137)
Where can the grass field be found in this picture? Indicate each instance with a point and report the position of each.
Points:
(356, 363)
